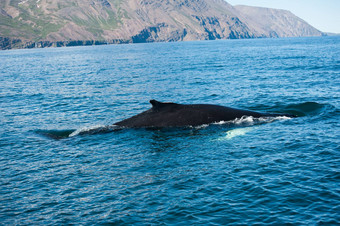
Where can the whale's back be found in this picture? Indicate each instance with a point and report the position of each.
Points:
(180, 115)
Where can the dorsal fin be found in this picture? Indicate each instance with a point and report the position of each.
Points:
(156, 104)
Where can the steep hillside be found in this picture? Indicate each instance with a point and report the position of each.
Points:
(29, 23)
(275, 22)
(43, 23)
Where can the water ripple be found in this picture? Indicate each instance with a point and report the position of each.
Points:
(277, 172)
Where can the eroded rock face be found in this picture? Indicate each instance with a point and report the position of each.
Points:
(275, 22)
(45, 23)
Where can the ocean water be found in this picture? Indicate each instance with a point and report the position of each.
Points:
(60, 163)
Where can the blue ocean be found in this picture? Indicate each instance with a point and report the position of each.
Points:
(61, 164)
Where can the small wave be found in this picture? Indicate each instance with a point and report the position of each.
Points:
(288, 57)
(94, 130)
(55, 134)
(63, 134)
(200, 126)
(304, 109)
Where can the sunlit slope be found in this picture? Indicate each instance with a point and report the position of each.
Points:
(39, 23)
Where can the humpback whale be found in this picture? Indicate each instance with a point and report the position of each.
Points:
(167, 114)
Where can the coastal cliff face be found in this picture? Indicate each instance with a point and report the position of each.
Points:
(45, 23)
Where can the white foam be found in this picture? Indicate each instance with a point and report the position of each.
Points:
(250, 120)
(93, 129)
(220, 123)
(200, 126)
(247, 121)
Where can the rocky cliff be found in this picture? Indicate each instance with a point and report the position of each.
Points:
(44, 23)
(275, 22)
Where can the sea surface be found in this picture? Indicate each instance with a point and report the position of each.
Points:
(60, 163)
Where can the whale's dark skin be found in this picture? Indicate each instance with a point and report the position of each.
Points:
(163, 115)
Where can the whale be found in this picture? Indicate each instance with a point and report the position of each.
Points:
(168, 114)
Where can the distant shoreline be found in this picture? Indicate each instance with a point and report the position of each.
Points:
(20, 44)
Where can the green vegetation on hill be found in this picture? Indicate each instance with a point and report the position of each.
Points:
(30, 23)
